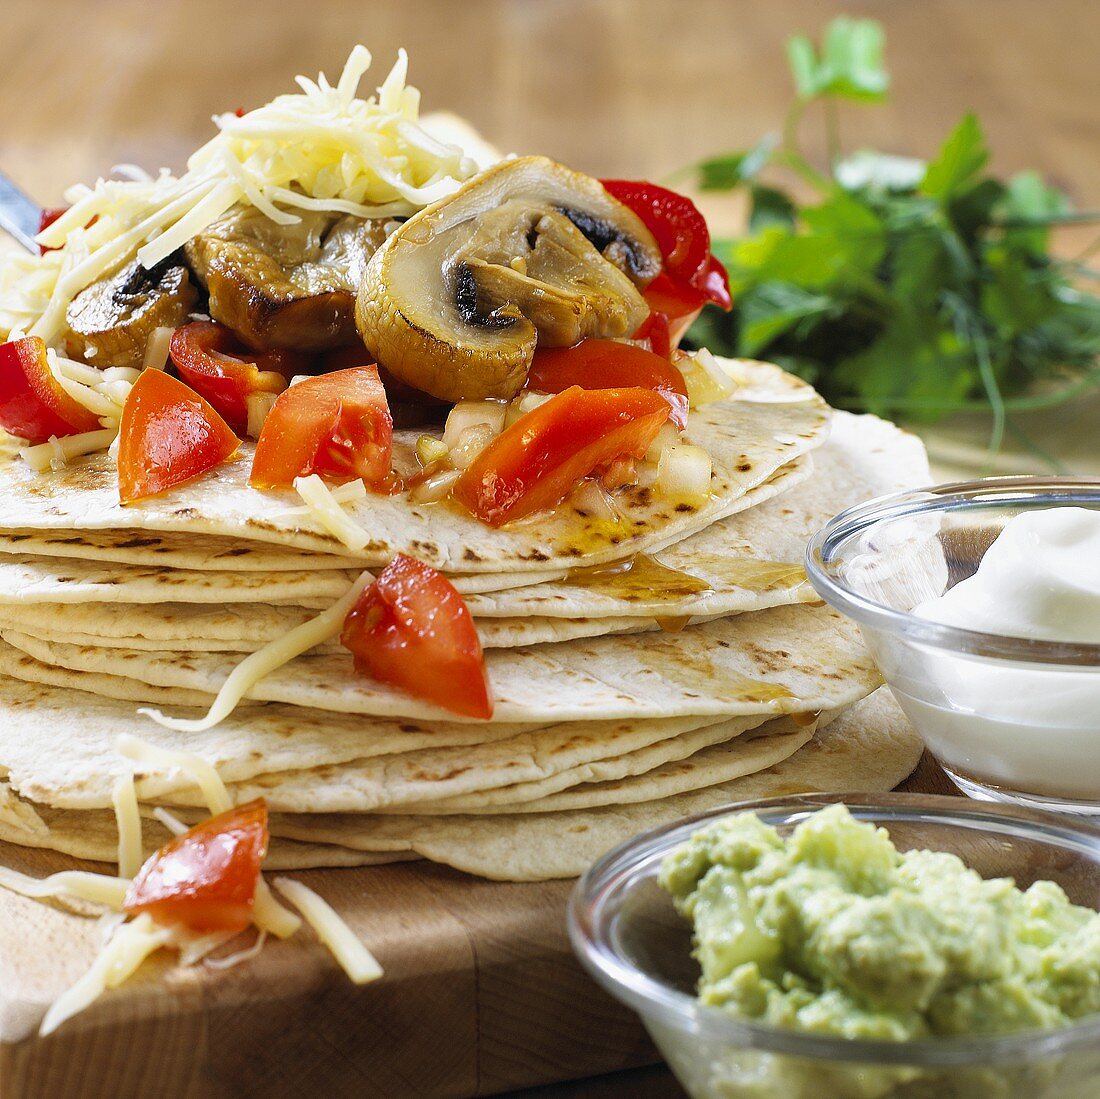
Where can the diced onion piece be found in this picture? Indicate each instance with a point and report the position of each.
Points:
(259, 405)
(156, 350)
(328, 513)
(245, 955)
(524, 403)
(84, 886)
(264, 661)
(668, 436)
(435, 488)
(590, 498)
(130, 946)
(471, 443)
(354, 958)
(57, 453)
(706, 380)
(467, 414)
(430, 450)
(131, 852)
(683, 474)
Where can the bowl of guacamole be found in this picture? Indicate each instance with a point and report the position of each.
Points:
(883, 947)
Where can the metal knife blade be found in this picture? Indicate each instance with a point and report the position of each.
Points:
(19, 214)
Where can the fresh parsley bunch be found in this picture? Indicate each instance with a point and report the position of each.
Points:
(903, 287)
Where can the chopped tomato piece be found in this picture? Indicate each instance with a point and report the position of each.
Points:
(32, 403)
(536, 461)
(411, 628)
(608, 364)
(168, 435)
(681, 234)
(337, 425)
(206, 877)
(218, 366)
(680, 302)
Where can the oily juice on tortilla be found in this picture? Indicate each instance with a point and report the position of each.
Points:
(639, 577)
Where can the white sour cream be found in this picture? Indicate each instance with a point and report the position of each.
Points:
(1021, 726)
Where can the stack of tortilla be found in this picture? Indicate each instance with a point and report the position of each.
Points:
(643, 667)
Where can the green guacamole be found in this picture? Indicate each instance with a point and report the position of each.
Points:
(833, 930)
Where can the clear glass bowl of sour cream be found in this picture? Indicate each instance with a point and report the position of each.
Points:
(980, 602)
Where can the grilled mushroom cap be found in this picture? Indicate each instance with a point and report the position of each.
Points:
(288, 286)
(526, 252)
(111, 321)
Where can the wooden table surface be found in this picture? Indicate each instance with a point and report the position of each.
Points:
(615, 87)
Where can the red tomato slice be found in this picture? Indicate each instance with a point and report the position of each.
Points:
(680, 302)
(536, 461)
(337, 425)
(32, 403)
(608, 364)
(205, 878)
(681, 233)
(168, 435)
(220, 368)
(411, 628)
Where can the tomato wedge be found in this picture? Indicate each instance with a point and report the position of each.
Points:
(411, 628)
(681, 233)
(220, 368)
(205, 878)
(32, 403)
(168, 435)
(338, 425)
(608, 364)
(536, 461)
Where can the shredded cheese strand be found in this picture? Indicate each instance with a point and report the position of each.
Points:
(264, 661)
(354, 958)
(131, 850)
(173, 824)
(270, 916)
(324, 508)
(129, 947)
(203, 774)
(59, 452)
(79, 884)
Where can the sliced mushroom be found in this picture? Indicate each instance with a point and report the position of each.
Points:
(286, 286)
(111, 321)
(527, 252)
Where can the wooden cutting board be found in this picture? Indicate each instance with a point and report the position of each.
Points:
(481, 996)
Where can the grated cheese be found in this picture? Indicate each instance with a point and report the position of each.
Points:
(131, 852)
(354, 958)
(342, 494)
(156, 350)
(173, 824)
(131, 944)
(270, 916)
(245, 955)
(57, 453)
(322, 148)
(204, 775)
(253, 668)
(328, 513)
(80, 884)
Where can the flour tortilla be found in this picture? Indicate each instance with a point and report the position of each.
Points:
(559, 756)
(870, 748)
(744, 559)
(748, 441)
(781, 660)
(57, 744)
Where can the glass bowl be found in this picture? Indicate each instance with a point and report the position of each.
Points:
(1008, 718)
(628, 935)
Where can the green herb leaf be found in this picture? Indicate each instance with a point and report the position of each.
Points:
(961, 157)
(850, 65)
(724, 173)
(773, 308)
(770, 207)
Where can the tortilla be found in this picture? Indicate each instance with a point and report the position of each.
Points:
(870, 748)
(781, 660)
(748, 441)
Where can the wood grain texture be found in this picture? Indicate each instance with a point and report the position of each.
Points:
(481, 993)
